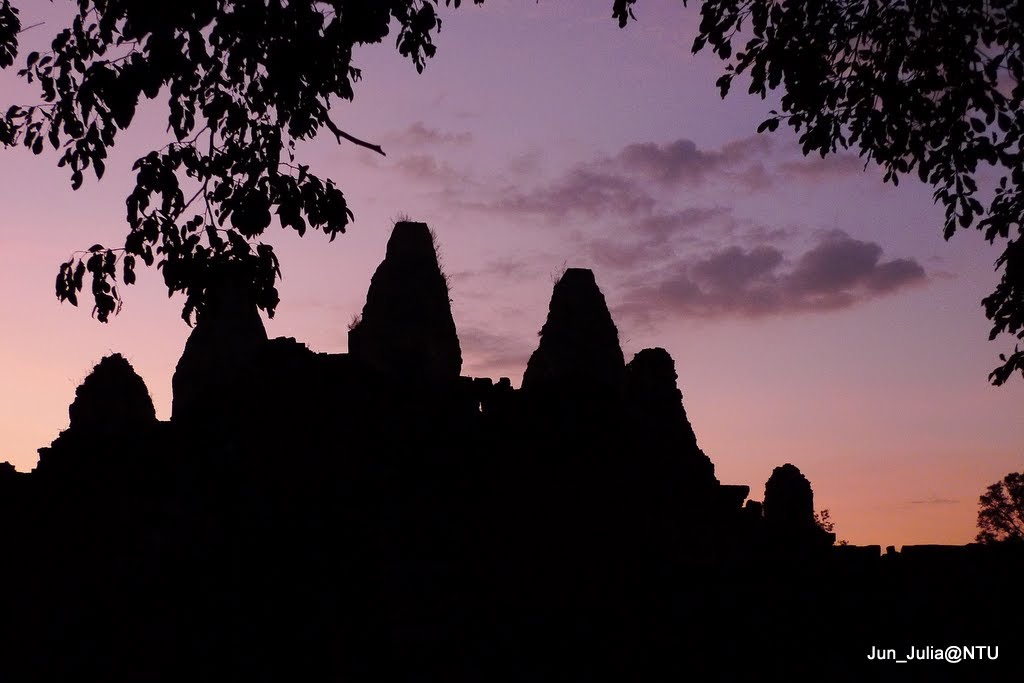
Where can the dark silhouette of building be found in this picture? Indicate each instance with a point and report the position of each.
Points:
(789, 509)
(406, 328)
(373, 516)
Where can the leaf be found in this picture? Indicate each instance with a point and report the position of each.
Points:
(79, 277)
(61, 286)
(128, 269)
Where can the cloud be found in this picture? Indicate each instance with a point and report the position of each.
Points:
(488, 353)
(755, 177)
(425, 167)
(527, 163)
(420, 135)
(734, 268)
(638, 183)
(659, 227)
(625, 184)
(838, 272)
(506, 267)
(620, 255)
(752, 162)
(582, 190)
(655, 237)
(627, 212)
(682, 162)
(936, 501)
(671, 163)
(841, 263)
(817, 169)
(748, 147)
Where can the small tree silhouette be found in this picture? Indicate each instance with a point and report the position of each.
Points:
(1001, 511)
(824, 521)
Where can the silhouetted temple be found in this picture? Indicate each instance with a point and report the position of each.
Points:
(376, 516)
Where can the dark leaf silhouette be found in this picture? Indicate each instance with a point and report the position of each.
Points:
(10, 26)
(244, 83)
(929, 88)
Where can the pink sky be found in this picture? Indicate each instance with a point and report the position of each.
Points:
(816, 315)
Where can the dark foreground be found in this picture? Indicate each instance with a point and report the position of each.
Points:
(375, 517)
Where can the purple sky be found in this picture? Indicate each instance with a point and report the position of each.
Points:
(816, 315)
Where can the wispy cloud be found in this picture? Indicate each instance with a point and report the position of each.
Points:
(427, 169)
(506, 267)
(420, 135)
(659, 227)
(584, 190)
(644, 239)
(624, 184)
(816, 169)
(487, 353)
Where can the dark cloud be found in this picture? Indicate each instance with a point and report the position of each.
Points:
(838, 272)
(835, 264)
(682, 162)
(671, 163)
(734, 268)
(841, 263)
(892, 275)
(749, 162)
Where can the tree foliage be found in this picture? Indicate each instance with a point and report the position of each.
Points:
(925, 87)
(1001, 510)
(244, 81)
(823, 520)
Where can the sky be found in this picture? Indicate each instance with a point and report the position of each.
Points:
(815, 314)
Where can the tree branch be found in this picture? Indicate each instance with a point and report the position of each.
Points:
(338, 133)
